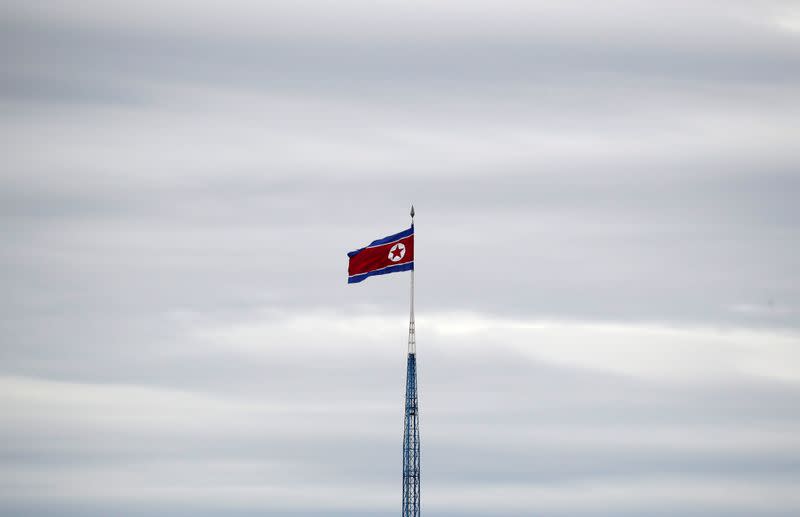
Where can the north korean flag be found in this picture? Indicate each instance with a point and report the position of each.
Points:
(388, 255)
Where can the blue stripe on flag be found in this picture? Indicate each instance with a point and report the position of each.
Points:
(408, 266)
(385, 240)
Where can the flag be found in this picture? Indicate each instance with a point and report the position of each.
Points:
(388, 255)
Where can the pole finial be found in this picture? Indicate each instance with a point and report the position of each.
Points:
(412, 211)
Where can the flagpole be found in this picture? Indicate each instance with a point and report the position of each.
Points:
(411, 448)
(412, 338)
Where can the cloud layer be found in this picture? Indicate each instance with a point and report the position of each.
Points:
(609, 310)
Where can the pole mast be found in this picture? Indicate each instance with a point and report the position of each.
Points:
(411, 500)
(412, 337)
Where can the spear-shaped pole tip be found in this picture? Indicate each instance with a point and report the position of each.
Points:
(412, 211)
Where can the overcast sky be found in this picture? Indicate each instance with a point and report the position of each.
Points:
(608, 241)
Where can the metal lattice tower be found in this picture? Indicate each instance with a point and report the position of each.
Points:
(411, 433)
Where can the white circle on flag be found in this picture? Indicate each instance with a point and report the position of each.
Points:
(397, 252)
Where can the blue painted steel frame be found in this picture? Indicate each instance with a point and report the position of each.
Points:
(411, 443)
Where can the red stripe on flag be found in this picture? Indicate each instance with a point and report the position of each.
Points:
(371, 259)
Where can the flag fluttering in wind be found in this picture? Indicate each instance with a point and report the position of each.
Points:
(387, 255)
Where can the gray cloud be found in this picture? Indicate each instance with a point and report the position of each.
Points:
(607, 237)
